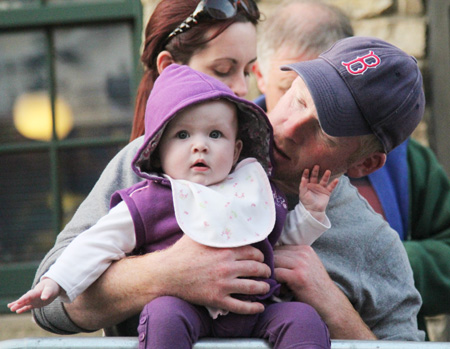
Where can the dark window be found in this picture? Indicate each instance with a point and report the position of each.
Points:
(68, 72)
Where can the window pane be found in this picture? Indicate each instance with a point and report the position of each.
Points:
(25, 207)
(93, 69)
(23, 73)
(12, 4)
(80, 1)
(80, 170)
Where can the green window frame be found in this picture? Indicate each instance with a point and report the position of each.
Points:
(49, 16)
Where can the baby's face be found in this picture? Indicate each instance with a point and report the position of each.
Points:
(200, 144)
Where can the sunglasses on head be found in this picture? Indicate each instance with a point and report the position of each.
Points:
(216, 9)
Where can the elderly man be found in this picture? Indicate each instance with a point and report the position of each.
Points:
(412, 190)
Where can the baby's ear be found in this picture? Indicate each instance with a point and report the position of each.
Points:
(237, 150)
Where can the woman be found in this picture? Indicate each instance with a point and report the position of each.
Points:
(186, 32)
(224, 49)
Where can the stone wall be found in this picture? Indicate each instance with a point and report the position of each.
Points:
(400, 22)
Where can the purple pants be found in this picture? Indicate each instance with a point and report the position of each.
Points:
(169, 322)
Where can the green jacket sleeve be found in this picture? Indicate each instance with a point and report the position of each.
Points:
(428, 244)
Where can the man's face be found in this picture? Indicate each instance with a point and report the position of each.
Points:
(301, 143)
(276, 82)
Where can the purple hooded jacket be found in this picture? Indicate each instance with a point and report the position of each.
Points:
(150, 201)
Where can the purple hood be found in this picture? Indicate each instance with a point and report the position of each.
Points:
(178, 87)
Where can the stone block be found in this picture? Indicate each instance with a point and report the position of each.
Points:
(408, 33)
(410, 7)
(358, 9)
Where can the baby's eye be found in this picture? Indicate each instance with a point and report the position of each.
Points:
(215, 134)
(182, 134)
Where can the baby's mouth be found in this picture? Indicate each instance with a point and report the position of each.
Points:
(200, 164)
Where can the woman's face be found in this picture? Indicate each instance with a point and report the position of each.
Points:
(229, 57)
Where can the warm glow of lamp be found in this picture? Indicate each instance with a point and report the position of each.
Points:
(33, 116)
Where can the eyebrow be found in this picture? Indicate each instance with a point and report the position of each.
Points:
(234, 61)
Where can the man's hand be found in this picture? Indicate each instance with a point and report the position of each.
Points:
(199, 274)
(209, 276)
(301, 269)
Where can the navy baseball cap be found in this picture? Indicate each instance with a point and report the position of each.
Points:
(364, 85)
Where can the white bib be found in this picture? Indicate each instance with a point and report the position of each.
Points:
(238, 211)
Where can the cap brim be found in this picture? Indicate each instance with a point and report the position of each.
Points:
(338, 113)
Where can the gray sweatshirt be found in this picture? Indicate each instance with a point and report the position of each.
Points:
(361, 253)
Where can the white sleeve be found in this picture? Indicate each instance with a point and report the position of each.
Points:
(91, 252)
(301, 228)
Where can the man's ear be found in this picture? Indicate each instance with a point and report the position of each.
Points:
(259, 78)
(367, 165)
(163, 60)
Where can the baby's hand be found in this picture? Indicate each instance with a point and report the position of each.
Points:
(42, 294)
(314, 194)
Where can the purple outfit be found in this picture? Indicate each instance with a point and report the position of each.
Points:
(156, 227)
(169, 322)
